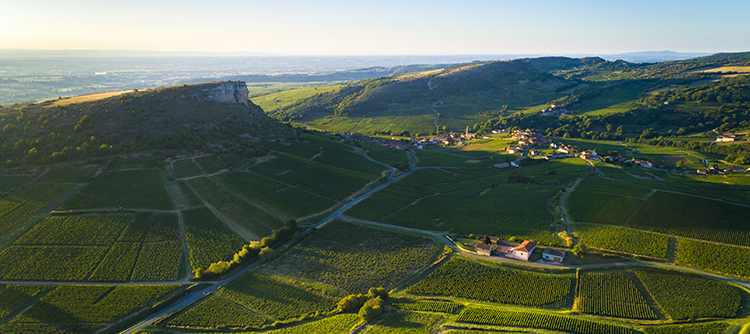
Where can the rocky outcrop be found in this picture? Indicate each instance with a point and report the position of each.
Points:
(229, 92)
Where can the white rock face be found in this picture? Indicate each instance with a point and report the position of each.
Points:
(230, 92)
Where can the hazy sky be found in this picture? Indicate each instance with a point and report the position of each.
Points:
(383, 27)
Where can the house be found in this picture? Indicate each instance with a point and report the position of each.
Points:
(483, 249)
(728, 137)
(557, 156)
(522, 251)
(554, 255)
(501, 165)
(701, 171)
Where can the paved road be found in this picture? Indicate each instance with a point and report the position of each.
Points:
(194, 297)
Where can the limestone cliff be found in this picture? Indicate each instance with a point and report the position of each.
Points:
(229, 92)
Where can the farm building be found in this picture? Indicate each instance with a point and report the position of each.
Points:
(522, 251)
(483, 249)
(554, 255)
(501, 165)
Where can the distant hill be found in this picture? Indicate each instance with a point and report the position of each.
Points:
(184, 117)
(496, 80)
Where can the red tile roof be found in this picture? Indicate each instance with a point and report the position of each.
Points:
(526, 246)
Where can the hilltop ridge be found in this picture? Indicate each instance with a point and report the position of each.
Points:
(184, 117)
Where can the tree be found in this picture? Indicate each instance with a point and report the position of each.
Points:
(379, 292)
(579, 249)
(486, 240)
(371, 309)
(351, 302)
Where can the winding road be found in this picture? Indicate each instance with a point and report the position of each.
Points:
(339, 214)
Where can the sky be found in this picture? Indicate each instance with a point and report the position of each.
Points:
(384, 27)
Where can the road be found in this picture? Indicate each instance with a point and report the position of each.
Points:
(196, 296)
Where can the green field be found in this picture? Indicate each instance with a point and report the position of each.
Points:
(623, 239)
(612, 294)
(705, 328)
(694, 217)
(97, 248)
(469, 279)
(70, 174)
(139, 189)
(685, 296)
(355, 258)
(210, 164)
(17, 210)
(405, 323)
(714, 257)
(8, 182)
(254, 219)
(186, 168)
(208, 238)
(527, 319)
(253, 301)
(76, 303)
(464, 201)
(427, 305)
(337, 324)
(12, 297)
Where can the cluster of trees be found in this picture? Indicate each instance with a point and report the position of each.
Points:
(251, 252)
(368, 306)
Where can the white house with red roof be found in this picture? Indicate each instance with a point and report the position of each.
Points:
(522, 251)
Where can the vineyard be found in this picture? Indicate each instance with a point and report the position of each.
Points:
(185, 168)
(468, 279)
(464, 201)
(337, 324)
(50, 263)
(16, 209)
(623, 239)
(138, 188)
(475, 315)
(597, 207)
(81, 303)
(612, 294)
(247, 215)
(97, 248)
(158, 261)
(218, 311)
(602, 185)
(694, 217)
(76, 230)
(14, 296)
(210, 164)
(683, 296)
(355, 258)
(719, 258)
(253, 301)
(405, 323)
(427, 305)
(708, 328)
(276, 299)
(208, 238)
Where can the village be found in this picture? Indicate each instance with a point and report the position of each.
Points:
(530, 145)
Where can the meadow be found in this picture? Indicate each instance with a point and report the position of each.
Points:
(355, 258)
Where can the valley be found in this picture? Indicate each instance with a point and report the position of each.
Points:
(187, 209)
